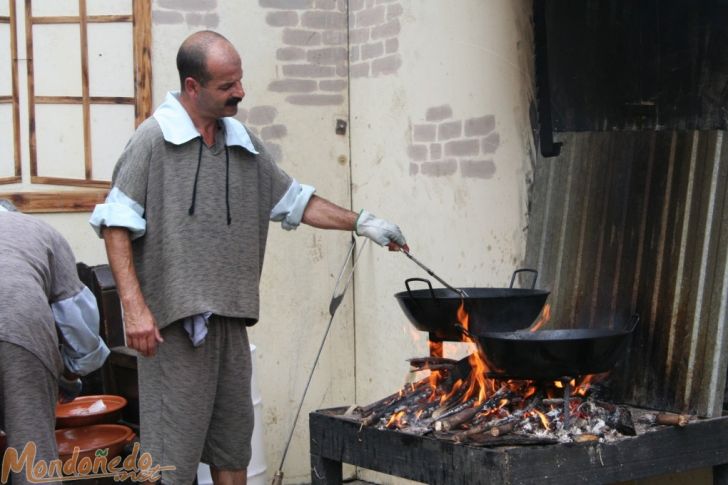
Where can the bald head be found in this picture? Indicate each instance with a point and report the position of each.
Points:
(194, 52)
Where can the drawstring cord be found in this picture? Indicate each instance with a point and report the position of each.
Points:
(191, 210)
(197, 174)
(227, 184)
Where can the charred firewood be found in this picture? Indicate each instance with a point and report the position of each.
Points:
(672, 419)
(396, 406)
(450, 409)
(404, 392)
(585, 438)
(460, 371)
(485, 427)
(607, 406)
(502, 429)
(452, 422)
(557, 401)
(434, 367)
(422, 363)
(621, 420)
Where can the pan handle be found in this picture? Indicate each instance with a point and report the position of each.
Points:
(525, 270)
(422, 280)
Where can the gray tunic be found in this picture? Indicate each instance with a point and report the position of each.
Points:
(37, 268)
(186, 263)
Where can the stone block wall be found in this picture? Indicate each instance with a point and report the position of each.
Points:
(442, 145)
(261, 121)
(317, 47)
(194, 13)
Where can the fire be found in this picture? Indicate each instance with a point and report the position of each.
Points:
(434, 380)
(479, 383)
(455, 388)
(436, 349)
(450, 392)
(543, 318)
(581, 387)
(397, 419)
(544, 419)
(530, 391)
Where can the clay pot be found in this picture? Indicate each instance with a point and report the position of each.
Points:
(91, 438)
(76, 413)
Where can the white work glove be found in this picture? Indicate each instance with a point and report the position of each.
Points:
(378, 230)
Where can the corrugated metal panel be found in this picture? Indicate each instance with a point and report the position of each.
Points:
(625, 222)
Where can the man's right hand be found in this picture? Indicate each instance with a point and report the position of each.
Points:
(142, 333)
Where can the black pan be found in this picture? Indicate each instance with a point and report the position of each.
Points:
(489, 309)
(552, 354)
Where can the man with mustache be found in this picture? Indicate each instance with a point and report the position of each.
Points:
(185, 227)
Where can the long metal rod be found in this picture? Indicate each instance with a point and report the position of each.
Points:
(432, 273)
(334, 304)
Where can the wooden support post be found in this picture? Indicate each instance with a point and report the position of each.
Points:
(325, 471)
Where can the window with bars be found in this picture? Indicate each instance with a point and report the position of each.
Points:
(88, 85)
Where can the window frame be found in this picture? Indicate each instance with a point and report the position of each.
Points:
(13, 98)
(87, 191)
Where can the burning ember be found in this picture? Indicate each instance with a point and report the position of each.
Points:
(460, 401)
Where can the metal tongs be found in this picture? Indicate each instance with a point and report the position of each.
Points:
(459, 291)
(336, 298)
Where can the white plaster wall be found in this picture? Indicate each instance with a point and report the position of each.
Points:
(473, 56)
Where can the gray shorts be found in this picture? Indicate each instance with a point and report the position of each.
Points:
(195, 403)
(28, 393)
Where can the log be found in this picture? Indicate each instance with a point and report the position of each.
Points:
(449, 409)
(502, 429)
(481, 428)
(585, 438)
(454, 421)
(672, 419)
(422, 362)
(621, 420)
(437, 367)
(401, 394)
(394, 407)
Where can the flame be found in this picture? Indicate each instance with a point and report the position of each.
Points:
(582, 388)
(479, 383)
(434, 379)
(544, 419)
(397, 419)
(543, 318)
(455, 388)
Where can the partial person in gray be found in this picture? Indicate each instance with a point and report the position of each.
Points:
(49, 326)
(185, 227)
